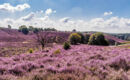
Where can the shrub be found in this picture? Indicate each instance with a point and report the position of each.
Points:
(119, 62)
(87, 36)
(82, 38)
(23, 29)
(74, 38)
(50, 29)
(31, 50)
(66, 45)
(35, 30)
(97, 39)
(30, 28)
(57, 51)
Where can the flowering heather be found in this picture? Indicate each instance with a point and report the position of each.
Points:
(81, 60)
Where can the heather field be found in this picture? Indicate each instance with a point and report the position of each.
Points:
(64, 39)
(80, 62)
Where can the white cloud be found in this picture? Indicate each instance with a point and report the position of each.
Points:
(107, 13)
(28, 17)
(9, 8)
(112, 24)
(49, 11)
(65, 19)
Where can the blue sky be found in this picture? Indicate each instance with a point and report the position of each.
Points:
(82, 8)
(74, 11)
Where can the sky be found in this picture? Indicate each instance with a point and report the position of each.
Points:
(112, 16)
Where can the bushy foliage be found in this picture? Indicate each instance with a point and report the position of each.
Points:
(50, 29)
(87, 36)
(66, 45)
(30, 50)
(30, 28)
(82, 38)
(36, 30)
(57, 51)
(23, 29)
(9, 26)
(74, 38)
(97, 39)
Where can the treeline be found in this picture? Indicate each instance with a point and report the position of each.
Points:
(123, 36)
(24, 29)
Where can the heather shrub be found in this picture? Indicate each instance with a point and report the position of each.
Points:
(74, 38)
(30, 50)
(66, 45)
(64, 77)
(82, 38)
(97, 39)
(120, 63)
(57, 51)
(37, 77)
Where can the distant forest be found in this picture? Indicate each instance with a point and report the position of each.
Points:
(125, 36)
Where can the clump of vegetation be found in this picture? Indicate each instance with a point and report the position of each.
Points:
(9, 27)
(57, 51)
(30, 50)
(42, 39)
(82, 38)
(66, 45)
(87, 36)
(97, 39)
(74, 38)
(23, 29)
(36, 30)
(50, 29)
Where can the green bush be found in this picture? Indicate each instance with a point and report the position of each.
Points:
(23, 29)
(87, 36)
(74, 38)
(97, 39)
(82, 38)
(66, 45)
(31, 50)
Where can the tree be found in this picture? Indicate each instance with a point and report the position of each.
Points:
(35, 30)
(42, 38)
(50, 29)
(24, 29)
(74, 38)
(87, 36)
(82, 38)
(9, 26)
(98, 39)
(74, 30)
(30, 28)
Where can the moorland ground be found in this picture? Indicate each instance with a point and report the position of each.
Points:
(80, 62)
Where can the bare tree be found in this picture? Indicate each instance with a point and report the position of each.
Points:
(42, 38)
